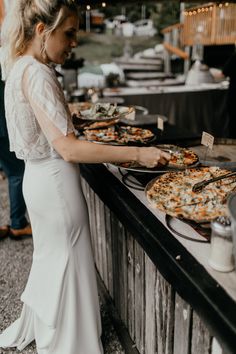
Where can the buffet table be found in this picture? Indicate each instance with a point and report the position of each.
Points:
(167, 296)
(196, 108)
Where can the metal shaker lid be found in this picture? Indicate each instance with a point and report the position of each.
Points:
(222, 226)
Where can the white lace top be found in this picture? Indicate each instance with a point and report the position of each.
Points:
(36, 110)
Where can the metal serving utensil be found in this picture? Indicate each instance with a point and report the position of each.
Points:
(200, 185)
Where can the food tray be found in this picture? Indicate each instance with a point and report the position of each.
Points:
(160, 169)
(192, 218)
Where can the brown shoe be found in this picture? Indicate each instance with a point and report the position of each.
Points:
(4, 231)
(18, 234)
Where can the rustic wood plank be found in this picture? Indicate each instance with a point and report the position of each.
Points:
(87, 195)
(109, 250)
(164, 316)
(116, 271)
(92, 217)
(182, 328)
(139, 297)
(122, 267)
(99, 234)
(150, 317)
(103, 243)
(130, 285)
(201, 338)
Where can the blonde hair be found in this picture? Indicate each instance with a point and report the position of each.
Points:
(19, 26)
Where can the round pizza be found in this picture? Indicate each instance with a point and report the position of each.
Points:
(182, 158)
(173, 194)
(179, 158)
(119, 135)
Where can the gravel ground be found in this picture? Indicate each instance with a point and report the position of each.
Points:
(15, 261)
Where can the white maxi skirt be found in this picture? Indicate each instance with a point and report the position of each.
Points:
(61, 307)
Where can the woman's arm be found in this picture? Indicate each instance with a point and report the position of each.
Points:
(73, 150)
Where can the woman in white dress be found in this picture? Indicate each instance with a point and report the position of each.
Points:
(60, 301)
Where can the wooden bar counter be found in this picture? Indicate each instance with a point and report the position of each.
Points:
(166, 297)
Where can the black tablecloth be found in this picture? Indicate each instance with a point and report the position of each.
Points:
(193, 110)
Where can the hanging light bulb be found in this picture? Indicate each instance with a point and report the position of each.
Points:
(104, 4)
(88, 7)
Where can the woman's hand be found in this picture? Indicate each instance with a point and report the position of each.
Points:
(151, 157)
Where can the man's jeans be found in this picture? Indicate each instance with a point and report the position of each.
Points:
(14, 169)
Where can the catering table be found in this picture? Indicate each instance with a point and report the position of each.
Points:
(167, 296)
(196, 108)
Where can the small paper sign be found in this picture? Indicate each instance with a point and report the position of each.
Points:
(207, 140)
(160, 123)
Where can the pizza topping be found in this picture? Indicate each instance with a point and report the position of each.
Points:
(121, 135)
(180, 158)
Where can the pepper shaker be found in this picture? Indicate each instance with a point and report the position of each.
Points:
(221, 257)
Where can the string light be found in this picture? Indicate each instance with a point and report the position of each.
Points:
(104, 4)
(203, 9)
(88, 7)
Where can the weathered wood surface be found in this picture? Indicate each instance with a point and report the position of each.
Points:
(164, 315)
(130, 287)
(158, 319)
(182, 327)
(109, 250)
(139, 297)
(201, 339)
(150, 301)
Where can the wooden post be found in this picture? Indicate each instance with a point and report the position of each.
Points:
(213, 23)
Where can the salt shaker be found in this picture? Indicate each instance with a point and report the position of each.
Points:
(221, 257)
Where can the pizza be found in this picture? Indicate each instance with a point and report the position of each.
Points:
(119, 135)
(100, 111)
(172, 193)
(179, 158)
(182, 157)
(81, 125)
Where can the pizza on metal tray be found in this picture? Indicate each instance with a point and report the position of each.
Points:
(172, 193)
(180, 158)
(121, 135)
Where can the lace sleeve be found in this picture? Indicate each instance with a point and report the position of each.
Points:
(47, 101)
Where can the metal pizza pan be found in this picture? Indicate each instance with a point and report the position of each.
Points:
(130, 143)
(122, 112)
(175, 215)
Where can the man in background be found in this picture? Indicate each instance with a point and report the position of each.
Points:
(14, 170)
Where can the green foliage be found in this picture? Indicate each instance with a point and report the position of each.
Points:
(166, 14)
(163, 14)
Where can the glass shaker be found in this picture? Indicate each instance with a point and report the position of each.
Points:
(221, 257)
(231, 203)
